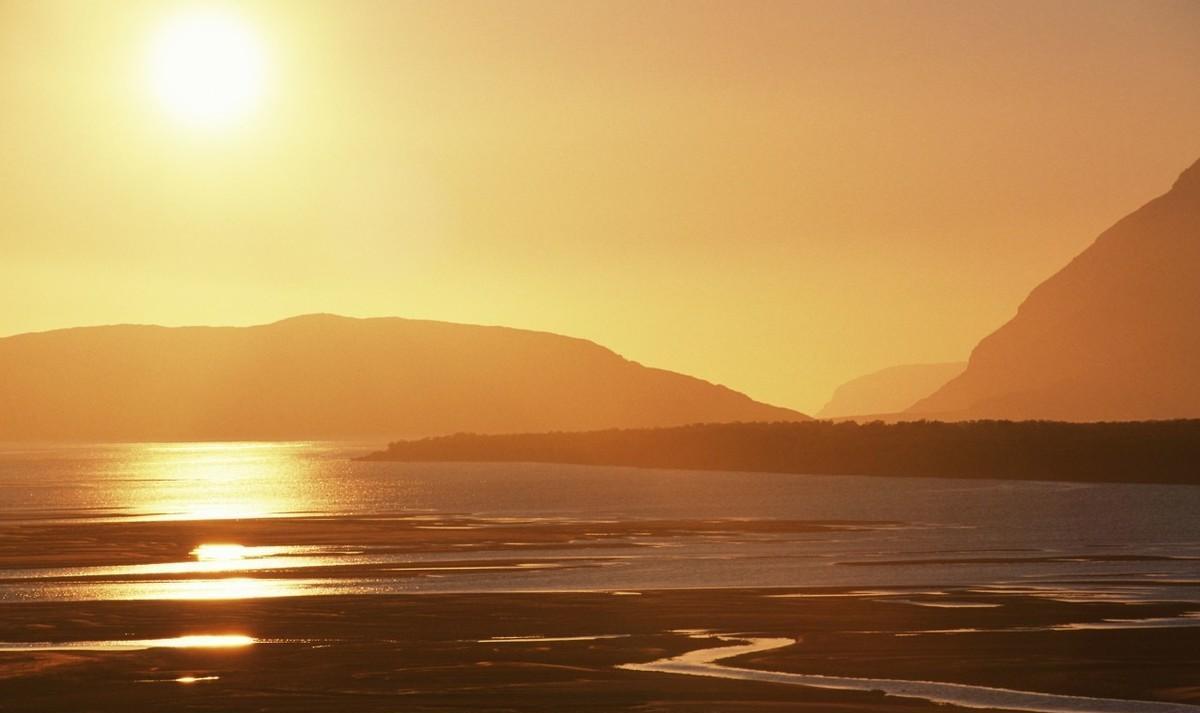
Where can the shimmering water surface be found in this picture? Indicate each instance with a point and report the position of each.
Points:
(247, 520)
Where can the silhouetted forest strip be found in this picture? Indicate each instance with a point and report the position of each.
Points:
(1135, 452)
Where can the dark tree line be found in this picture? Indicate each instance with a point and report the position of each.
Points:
(1143, 451)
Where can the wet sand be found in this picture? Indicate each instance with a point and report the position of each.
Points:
(709, 663)
(124, 614)
(557, 651)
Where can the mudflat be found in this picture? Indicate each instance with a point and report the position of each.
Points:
(561, 651)
(398, 587)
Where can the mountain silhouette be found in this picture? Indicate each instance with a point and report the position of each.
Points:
(324, 376)
(890, 390)
(1115, 335)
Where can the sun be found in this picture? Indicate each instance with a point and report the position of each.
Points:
(207, 67)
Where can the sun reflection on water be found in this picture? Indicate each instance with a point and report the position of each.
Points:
(221, 553)
(205, 641)
(196, 679)
(175, 589)
(227, 588)
(219, 481)
(190, 641)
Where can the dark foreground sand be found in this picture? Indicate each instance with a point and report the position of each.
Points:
(426, 652)
(463, 652)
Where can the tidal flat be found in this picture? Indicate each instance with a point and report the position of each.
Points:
(290, 578)
(565, 650)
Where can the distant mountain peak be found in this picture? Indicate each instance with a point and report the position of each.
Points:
(888, 391)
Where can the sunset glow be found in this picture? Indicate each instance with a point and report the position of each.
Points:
(770, 184)
(207, 67)
(604, 355)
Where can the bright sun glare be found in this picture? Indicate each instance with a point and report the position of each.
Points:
(207, 67)
(219, 553)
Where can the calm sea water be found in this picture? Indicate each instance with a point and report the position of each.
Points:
(1067, 540)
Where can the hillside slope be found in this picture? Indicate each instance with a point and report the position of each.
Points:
(1115, 335)
(323, 376)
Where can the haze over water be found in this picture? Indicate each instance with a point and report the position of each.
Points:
(234, 520)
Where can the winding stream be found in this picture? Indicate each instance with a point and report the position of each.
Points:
(704, 662)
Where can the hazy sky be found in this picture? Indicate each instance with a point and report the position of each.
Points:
(774, 196)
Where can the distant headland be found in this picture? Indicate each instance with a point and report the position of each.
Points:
(1133, 452)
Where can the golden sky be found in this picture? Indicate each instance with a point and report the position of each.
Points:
(774, 196)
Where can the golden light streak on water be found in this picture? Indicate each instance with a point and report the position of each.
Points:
(219, 481)
(195, 679)
(189, 641)
(219, 552)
